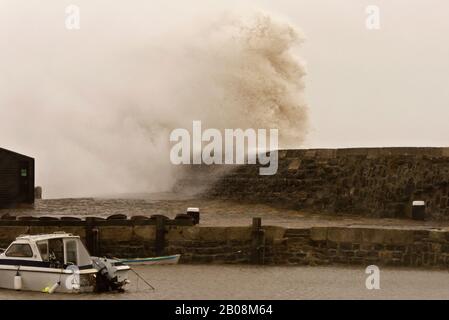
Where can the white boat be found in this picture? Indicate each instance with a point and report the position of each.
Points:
(174, 259)
(58, 262)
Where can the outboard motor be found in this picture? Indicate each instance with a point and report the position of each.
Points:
(109, 277)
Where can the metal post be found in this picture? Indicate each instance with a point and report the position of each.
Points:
(96, 241)
(92, 237)
(160, 236)
(258, 242)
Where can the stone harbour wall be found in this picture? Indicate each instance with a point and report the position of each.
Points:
(376, 182)
(267, 245)
(380, 246)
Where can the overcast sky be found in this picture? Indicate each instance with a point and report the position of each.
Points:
(388, 87)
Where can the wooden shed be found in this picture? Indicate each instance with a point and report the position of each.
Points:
(16, 180)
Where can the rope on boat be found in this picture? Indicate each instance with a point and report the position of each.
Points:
(140, 277)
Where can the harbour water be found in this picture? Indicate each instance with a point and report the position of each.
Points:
(249, 282)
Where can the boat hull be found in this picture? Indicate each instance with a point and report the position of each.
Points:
(41, 279)
(153, 261)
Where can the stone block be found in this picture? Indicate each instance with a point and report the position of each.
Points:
(385, 255)
(294, 165)
(282, 154)
(438, 235)
(10, 233)
(115, 233)
(243, 233)
(212, 233)
(310, 154)
(345, 246)
(318, 233)
(147, 233)
(338, 234)
(272, 232)
(183, 233)
(388, 236)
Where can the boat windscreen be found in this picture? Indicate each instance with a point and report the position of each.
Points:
(83, 255)
(71, 251)
(43, 249)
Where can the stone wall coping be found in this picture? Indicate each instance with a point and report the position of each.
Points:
(369, 152)
(347, 234)
(369, 234)
(60, 223)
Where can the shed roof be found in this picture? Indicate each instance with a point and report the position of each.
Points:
(15, 153)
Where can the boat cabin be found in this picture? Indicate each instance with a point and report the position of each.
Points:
(57, 250)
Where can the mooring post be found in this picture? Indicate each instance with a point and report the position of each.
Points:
(160, 236)
(195, 214)
(92, 237)
(96, 241)
(258, 242)
(38, 193)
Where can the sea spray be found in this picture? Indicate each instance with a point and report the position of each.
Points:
(96, 107)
